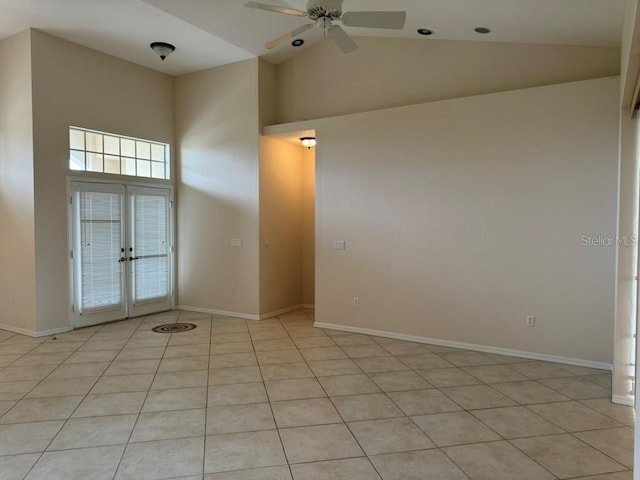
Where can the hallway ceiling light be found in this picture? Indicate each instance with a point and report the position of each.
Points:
(308, 142)
(163, 49)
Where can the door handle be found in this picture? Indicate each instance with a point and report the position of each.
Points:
(131, 259)
(122, 259)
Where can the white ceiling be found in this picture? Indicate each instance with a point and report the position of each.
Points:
(210, 33)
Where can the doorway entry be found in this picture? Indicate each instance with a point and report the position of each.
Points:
(121, 251)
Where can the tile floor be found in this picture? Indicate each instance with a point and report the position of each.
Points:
(282, 400)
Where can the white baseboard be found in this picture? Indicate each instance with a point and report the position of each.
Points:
(623, 399)
(32, 333)
(310, 306)
(470, 346)
(246, 316)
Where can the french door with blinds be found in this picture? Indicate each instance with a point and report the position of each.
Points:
(122, 252)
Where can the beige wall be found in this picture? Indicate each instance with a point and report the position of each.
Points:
(217, 127)
(322, 82)
(308, 226)
(17, 255)
(462, 217)
(74, 85)
(281, 225)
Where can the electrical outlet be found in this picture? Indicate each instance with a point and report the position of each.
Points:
(356, 302)
(531, 321)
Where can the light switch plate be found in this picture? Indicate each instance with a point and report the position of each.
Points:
(236, 242)
(339, 245)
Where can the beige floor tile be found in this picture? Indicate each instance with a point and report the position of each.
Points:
(41, 359)
(351, 469)
(622, 413)
(418, 465)
(123, 383)
(314, 342)
(380, 364)
(324, 368)
(183, 364)
(576, 388)
(516, 422)
(353, 339)
(495, 373)
(230, 337)
(247, 359)
(6, 405)
(615, 442)
(365, 351)
(457, 428)
(140, 353)
(628, 475)
(237, 451)
(424, 361)
(41, 409)
(188, 338)
(133, 367)
(175, 399)
(448, 377)
(182, 351)
(531, 392)
(566, 456)
(389, 436)
(270, 345)
(17, 374)
(16, 348)
(263, 335)
(495, 461)
(265, 473)
(577, 370)
(539, 370)
(285, 371)
(162, 459)
(15, 467)
(163, 426)
(602, 379)
(423, 402)
(303, 413)
(56, 387)
(323, 353)
(348, 385)
(366, 407)
(467, 359)
(231, 347)
(98, 463)
(294, 389)
(110, 404)
(573, 416)
(318, 443)
(477, 396)
(94, 432)
(27, 437)
(240, 418)
(405, 348)
(9, 359)
(192, 378)
(399, 381)
(237, 394)
(55, 347)
(92, 356)
(15, 390)
(75, 370)
(271, 357)
(226, 376)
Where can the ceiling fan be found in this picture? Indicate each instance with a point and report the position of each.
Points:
(324, 13)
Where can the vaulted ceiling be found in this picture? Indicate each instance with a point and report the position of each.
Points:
(209, 33)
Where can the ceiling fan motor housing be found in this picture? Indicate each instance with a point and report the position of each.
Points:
(331, 9)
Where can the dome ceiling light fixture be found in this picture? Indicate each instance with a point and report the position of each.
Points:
(308, 142)
(425, 31)
(163, 49)
(482, 30)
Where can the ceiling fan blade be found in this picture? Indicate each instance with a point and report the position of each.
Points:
(276, 9)
(344, 41)
(288, 36)
(393, 20)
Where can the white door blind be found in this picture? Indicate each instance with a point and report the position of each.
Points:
(100, 244)
(151, 247)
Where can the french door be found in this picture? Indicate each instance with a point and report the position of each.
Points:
(122, 260)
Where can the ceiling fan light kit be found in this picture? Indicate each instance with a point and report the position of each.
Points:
(308, 142)
(324, 12)
(163, 49)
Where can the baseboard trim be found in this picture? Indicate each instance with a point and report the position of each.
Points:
(310, 306)
(32, 333)
(623, 399)
(246, 316)
(469, 346)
